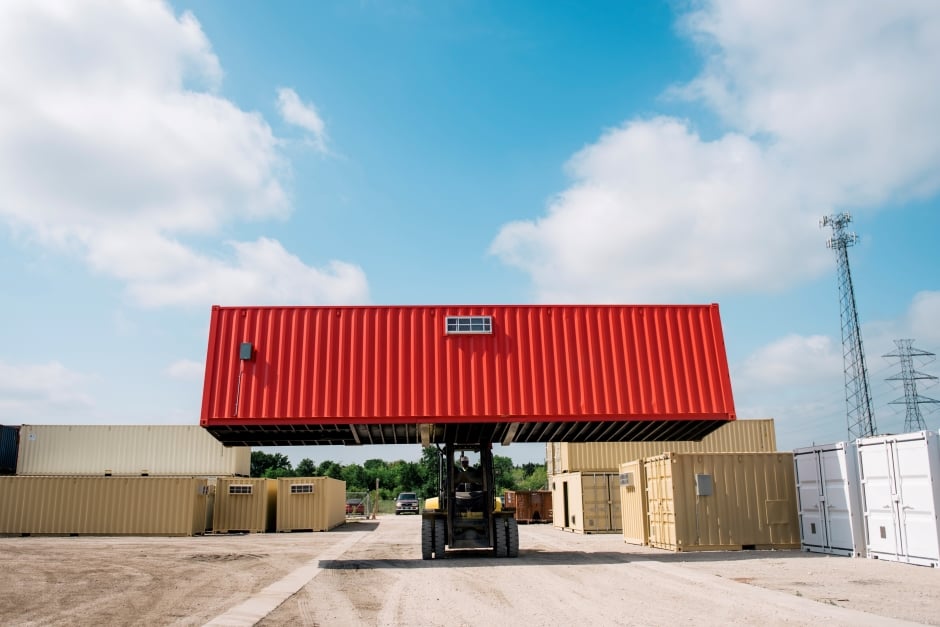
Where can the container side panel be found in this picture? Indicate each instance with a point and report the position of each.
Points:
(102, 506)
(745, 436)
(132, 450)
(397, 363)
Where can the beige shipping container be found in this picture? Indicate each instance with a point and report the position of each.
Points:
(635, 522)
(127, 450)
(243, 504)
(586, 502)
(722, 501)
(161, 506)
(310, 503)
(745, 436)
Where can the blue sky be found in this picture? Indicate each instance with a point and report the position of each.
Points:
(158, 158)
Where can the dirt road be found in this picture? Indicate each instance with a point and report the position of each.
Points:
(371, 573)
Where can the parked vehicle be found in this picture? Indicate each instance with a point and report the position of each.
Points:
(406, 503)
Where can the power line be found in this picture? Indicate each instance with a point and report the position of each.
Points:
(905, 353)
(860, 419)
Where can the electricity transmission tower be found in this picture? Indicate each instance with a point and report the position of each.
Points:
(905, 353)
(859, 416)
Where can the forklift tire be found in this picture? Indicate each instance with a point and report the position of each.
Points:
(440, 530)
(427, 538)
(500, 542)
(513, 537)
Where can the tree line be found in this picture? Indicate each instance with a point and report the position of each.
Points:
(397, 476)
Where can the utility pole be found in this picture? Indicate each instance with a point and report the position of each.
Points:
(859, 416)
(905, 353)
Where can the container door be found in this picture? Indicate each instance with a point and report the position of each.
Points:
(877, 470)
(596, 499)
(662, 519)
(837, 499)
(809, 488)
(915, 501)
(614, 517)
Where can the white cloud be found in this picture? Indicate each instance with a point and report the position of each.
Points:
(259, 273)
(923, 318)
(302, 114)
(34, 392)
(793, 361)
(186, 370)
(830, 107)
(115, 146)
(799, 380)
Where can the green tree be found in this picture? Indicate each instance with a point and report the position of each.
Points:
(503, 469)
(262, 462)
(276, 473)
(355, 478)
(306, 468)
(536, 480)
(330, 469)
(428, 468)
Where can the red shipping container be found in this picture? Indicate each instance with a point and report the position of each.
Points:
(522, 373)
(531, 506)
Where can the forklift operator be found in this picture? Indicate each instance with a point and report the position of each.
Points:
(472, 478)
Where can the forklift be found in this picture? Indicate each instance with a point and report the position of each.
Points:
(467, 513)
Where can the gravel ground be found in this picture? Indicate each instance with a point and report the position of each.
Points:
(371, 573)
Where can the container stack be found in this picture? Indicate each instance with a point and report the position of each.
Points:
(112, 480)
(585, 477)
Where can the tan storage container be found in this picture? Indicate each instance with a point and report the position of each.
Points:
(127, 450)
(722, 501)
(532, 506)
(635, 521)
(310, 503)
(745, 436)
(160, 506)
(586, 502)
(243, 504)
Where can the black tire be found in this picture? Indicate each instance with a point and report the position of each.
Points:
(440, 533)
(513, 538)
(427, 538)
(500, 542)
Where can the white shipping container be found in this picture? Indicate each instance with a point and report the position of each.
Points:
(830, 507)
(900, 481)
(127, 450)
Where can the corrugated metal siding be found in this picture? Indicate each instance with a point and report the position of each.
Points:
(744, 436)
(9, 449)
(235, 510)
(635, 522)
(172, 506)
(157, 450)
(753, 501)
(396, 365)
(321, 510)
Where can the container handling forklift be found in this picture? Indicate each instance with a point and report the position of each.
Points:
(466, 514)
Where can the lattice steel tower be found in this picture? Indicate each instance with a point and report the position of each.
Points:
(859, 416)
(905, 353)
